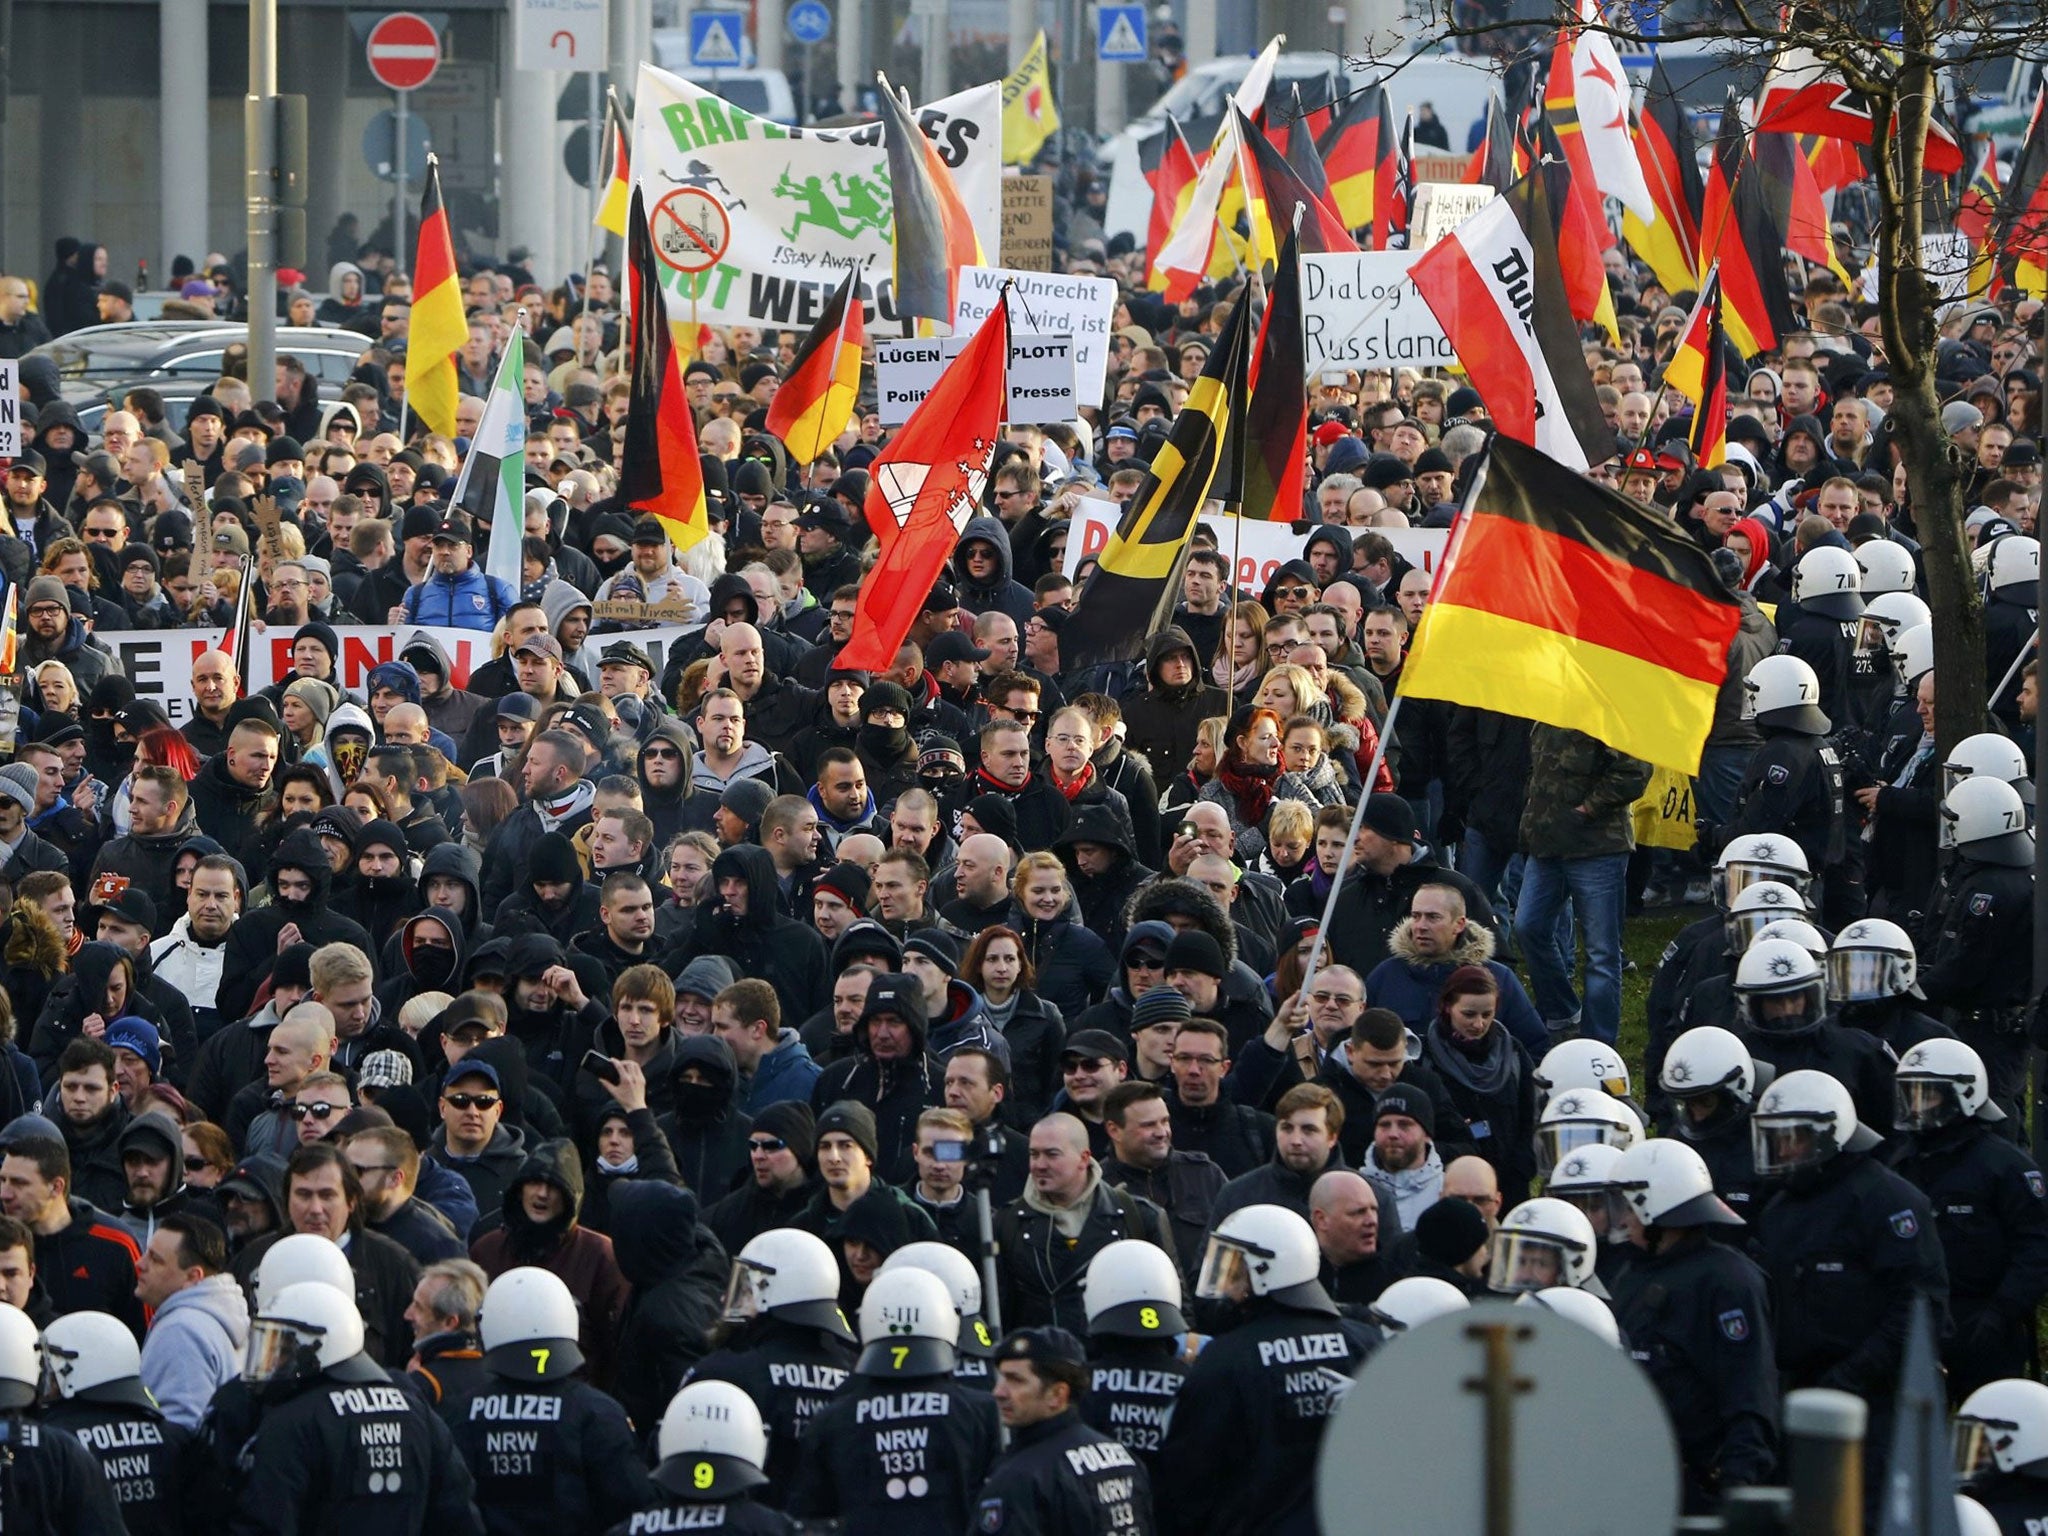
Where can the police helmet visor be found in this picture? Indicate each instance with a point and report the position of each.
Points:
(1974, 1443)
(1527, 1261)
(1782, 1144)
(273, 1351)
(1561, 1138)
(1226, 1272)
(1761, 1010)
(1928, 1103)
(1743, 927)
(1871, 637)
(745, 1292)
(1862, 975)
(1738, 875)
(56, 1371)
(1602, 1204)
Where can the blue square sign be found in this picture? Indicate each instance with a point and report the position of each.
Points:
(1120, 34)
(717, 39)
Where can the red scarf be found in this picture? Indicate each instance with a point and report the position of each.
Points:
(996, 786)
(1071, 788)
(1252, 787)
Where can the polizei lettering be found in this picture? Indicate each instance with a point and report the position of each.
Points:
(1105, 1457)
(900, 1405)
(115, 1437)
(356, 1401)
(685, 1517)
(537, 1407)
(1310, 1346)
(816, 1378)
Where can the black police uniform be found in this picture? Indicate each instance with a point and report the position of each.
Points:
(1240, 1449)
(1859, 1062)
(49, 1483)
(1132, 1387)
(1793, 786)
(1823, 644)
(148, 1461)
(792, 1371)
(349, 1451)
(1846, 1246)
(904, 1449)
(705, 1492)
(1991, 1214)
(1979, 946)
(1697, 1318)
(1064, 1477)
(974, 1356)
(549, 1453)
(1699, 950)
(1724, 1146)
(1895, 1021)
(2018, 1503)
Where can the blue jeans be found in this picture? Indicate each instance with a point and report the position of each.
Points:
(1596, 888)
(1484, 865)
(1720, 781)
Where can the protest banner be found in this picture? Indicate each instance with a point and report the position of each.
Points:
(1027, 223)
(1039, 375)
(1361, 310)
(760, 221)
(1262, 547)
(1049, 305)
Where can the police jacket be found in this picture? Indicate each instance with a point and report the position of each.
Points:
(1132, 1387)
(792, 1372)
(1793, 785)
(1990, 1212)
(1976, 946)
(1823, 644)
(549, 1456)
(1043, 1256)
(1240, 1449)
(902, 1454)
(2018, 1503)
(148, 1461)
(351, 1451)
(385, 1278)
(1697, 1318)
(1846, 1246)
(1859, 1062)
(55, 1484)
(1064, 1477)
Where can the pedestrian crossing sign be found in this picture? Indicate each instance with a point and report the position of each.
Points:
(1120, 34)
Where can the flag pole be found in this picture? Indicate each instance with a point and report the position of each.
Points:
(1379, 753)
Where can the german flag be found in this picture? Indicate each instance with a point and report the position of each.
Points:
(1698, 370)
(1275, 424)
(1170, 171)
(934, 238)
(1388, 211)
(661, 474)
(1275, 193)
(1350, 151)
(1670, 242)
(816, 401)
(1563, 602)
(1580, 225)
(1136, 581)
(618, 182)
(439, 327)
(1975, 214)
(1793, 195)
(2022, 219)
(1736, 230)
(1298, 144)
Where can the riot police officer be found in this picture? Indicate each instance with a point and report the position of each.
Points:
(1711, 1081)
(340, 1447)
(1847, 1244)
(974, 1356)
(1240, 1449)
(2001, 1449)
(1782, 994)
(1542, 1243)
(1714, 1001)
(1816, 626)
(548, 1450)
(1061, 1475)
(906, 1447)
(1413, 1300)
(48, 1481)
(1697, 1317)
(1584, 1179)
(1872, 969)
(712, 1447)
(1132, 1296)
(96, 1366)
(1793, 785)
(1990, 1209)
(792, 1350)
(2009, 624)
(1979, 941)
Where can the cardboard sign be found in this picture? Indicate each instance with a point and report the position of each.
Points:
(10, 408)
(1262, 547)
(1027, 223)
(1441, 207)
(1361, 311)
(1438, 165)
(1040, 376)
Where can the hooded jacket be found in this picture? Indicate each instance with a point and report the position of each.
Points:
(491, 1172)
(1243, 1006)
(786, 1072)
(788, 955)
(896, 1091)
(1371, 904)
(146, 860)
(226, 809)
(680, 808)
(1408, 983)
(678, 1272)
(71, 1000)
(1103, 897)
(155, 1134)
(505, 859)
(453, 710)
(706, 1132)
(252, 941)
(583, 1260)
(780, 651)
(195, 1346)
(1160, 723)
(1001, 594)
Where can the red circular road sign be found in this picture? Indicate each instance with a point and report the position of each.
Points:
(404, 51)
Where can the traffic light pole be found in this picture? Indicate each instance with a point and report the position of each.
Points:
(260, 177)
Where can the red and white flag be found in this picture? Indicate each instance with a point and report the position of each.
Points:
(1494, 285)
(1801, 94)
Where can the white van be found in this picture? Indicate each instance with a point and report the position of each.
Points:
(763, 92)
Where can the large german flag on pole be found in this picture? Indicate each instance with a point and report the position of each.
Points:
(439, 327)
(1736, 230)
(1698, 370)
(816, 401)
(1136, 582)
(1669, 242)
(1564, 602)
(1276, 412)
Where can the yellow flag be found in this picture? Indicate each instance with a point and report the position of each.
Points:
(1029, 116)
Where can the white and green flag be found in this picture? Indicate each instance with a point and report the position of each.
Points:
(492, 488)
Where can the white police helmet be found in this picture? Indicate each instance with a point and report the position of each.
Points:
(1804, 1119)
(1827, 581)
(298, 1257)
(94, 1352)
(21, 1359)
(1986, 820)
(1541, 1243)
(1579, 1119)
(1666, 1184)
(1259, 1250)
(528, 1325)
(957, 1273)
(1755, 907)
(2002, 1426)
(908, 1325)
(304, 1329)
(1414, 1301)
(787, 1273)
(1783, 691)
(1940, 1082)
(1871, 960)
(712, 1443)
(1581, 1063)
(1133, 1291)
(1885, 569)
(1582, 1307)
(1756, 856)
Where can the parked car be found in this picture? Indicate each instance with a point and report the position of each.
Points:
(93, 358)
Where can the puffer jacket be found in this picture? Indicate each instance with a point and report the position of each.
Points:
(1569, 770)
(1408, 984)
(467, 600)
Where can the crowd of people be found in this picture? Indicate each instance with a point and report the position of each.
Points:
(598, 1091)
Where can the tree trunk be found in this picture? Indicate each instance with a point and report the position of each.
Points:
(1936, 472)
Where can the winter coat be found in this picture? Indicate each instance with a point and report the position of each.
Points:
(146, 860)
(1755, 638)
(1496, 1095)
(1041, 1270)
(1160, 724)
(1409, 984)
(897, 1091)
(467, 600)
(252, 941)
(1001, 594)
(1034, 1034)
(678, 1272)
(1486, 777)
(706, 1133)
(1569, 770)
(1102, 898)
(1370, 905)
(788, 955)
(786, 1072)
(492, 1171)
(505, 859)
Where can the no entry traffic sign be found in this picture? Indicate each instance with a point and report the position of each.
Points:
(404, 51)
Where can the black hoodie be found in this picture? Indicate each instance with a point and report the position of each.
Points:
(779, 650)
(252, 941)
(679, 1272)
(679, 809)
(705, 1131)
(788, 955)
(1160, 723)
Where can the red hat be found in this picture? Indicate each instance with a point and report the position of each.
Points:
(1641, 459)
(1329, 432)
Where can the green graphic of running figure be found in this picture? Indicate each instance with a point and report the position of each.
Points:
(862, 205)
